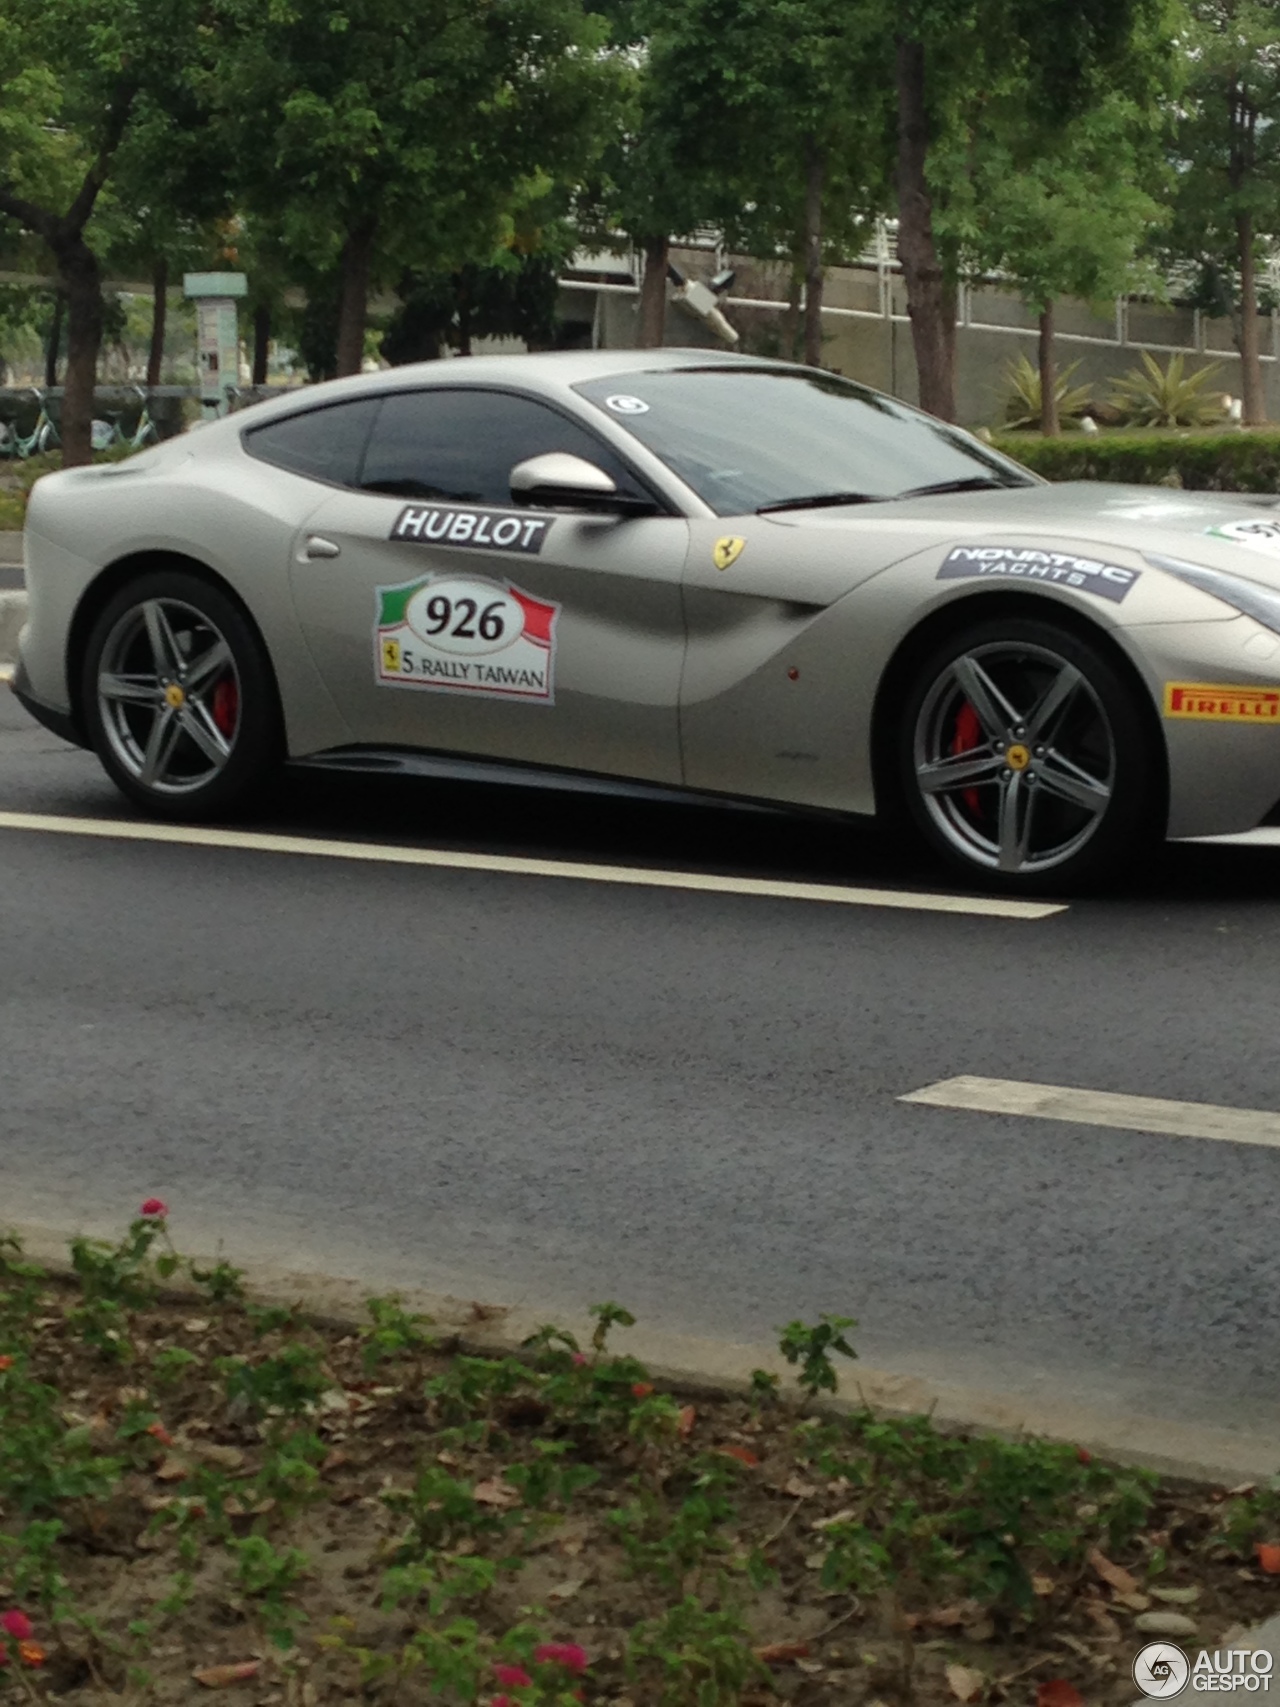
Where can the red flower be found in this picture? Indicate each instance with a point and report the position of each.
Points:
(514, 1677)
(579, 1358)
(641, 1389)
(6, 1363)
(31, 1653)
(566, 1654)
(17, 1625)
(154, 1209)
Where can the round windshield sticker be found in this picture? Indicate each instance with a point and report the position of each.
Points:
(622, 403)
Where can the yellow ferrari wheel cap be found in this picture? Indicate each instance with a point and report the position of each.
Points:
(1017, 757)
(174, 696)
(727, 550)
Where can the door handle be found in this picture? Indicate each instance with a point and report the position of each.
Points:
(317, 546)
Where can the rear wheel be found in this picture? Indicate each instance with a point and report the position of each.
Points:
(1025, 758)
(179, 699)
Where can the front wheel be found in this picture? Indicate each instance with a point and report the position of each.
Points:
(179, 698)
(1026, 760)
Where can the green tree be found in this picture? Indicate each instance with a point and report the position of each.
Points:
(1065, 214)
(76, 78)
(764, 117)
(947, 52)
(402, 135)
(1227, 163)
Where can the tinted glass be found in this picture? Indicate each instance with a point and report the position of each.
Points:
(743, 437)
(324, 444)
(462, 445)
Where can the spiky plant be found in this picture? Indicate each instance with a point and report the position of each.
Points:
(1023, 404)
(1155, 396)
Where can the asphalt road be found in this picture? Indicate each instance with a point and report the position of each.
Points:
(556, 1092)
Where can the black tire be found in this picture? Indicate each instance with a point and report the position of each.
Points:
(164, 694)
(1078, 801)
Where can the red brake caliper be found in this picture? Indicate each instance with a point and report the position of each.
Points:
(968, 735)
(226, 706)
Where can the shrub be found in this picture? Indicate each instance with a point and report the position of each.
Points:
(1200, 462)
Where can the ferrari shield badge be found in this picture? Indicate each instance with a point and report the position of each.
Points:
(727, 550)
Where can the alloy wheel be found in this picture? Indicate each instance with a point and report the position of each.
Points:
(1014, 757)
(169, 696)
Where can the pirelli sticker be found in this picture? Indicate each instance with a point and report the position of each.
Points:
(1049, 568)
(1213, 702)
(478, 530)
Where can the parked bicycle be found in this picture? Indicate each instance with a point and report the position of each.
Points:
(108, 434)
(42, 437)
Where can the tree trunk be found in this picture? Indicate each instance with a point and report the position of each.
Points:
(53, 348)
(81, 279)
(261, 343)
(791, 313)
(815, 174)
(357, 253)
(462, 311)
(1049, 423)
(927, 295)
(159, 320)
(1253, 397)
(651, 321)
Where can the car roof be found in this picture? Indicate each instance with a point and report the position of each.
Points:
(548, 371)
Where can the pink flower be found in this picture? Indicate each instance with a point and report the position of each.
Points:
(17, 1625)
(514, 1677)
(154, 1209)
(579, 1358)
(566, 1654)
(499, 1701)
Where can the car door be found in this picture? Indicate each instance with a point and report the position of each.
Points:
(444, 617)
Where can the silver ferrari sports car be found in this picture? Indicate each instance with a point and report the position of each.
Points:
(679, 568)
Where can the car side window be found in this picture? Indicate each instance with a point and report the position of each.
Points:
(322, 444)
(462, 445)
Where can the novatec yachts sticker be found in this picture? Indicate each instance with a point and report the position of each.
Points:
(1207, 701)
(1255, 535)
(1054, 568)
(461, 634)
(485, 530)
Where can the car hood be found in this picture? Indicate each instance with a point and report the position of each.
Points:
(1233, 531)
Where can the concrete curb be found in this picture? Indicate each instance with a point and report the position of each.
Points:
(13, 614)
(694, 1366)
(10, 549)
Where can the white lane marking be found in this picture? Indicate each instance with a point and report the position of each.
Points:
(1267, 837)
(252, 841)
(1104, 1108)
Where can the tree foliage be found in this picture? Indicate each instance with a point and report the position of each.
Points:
(401, 135)
(1227, 164)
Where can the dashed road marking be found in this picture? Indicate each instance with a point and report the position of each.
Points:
(252, 841)
(1104, 1108)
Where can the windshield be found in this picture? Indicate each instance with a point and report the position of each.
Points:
(750, 438)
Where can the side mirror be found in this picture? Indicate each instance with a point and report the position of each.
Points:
(560, 481)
